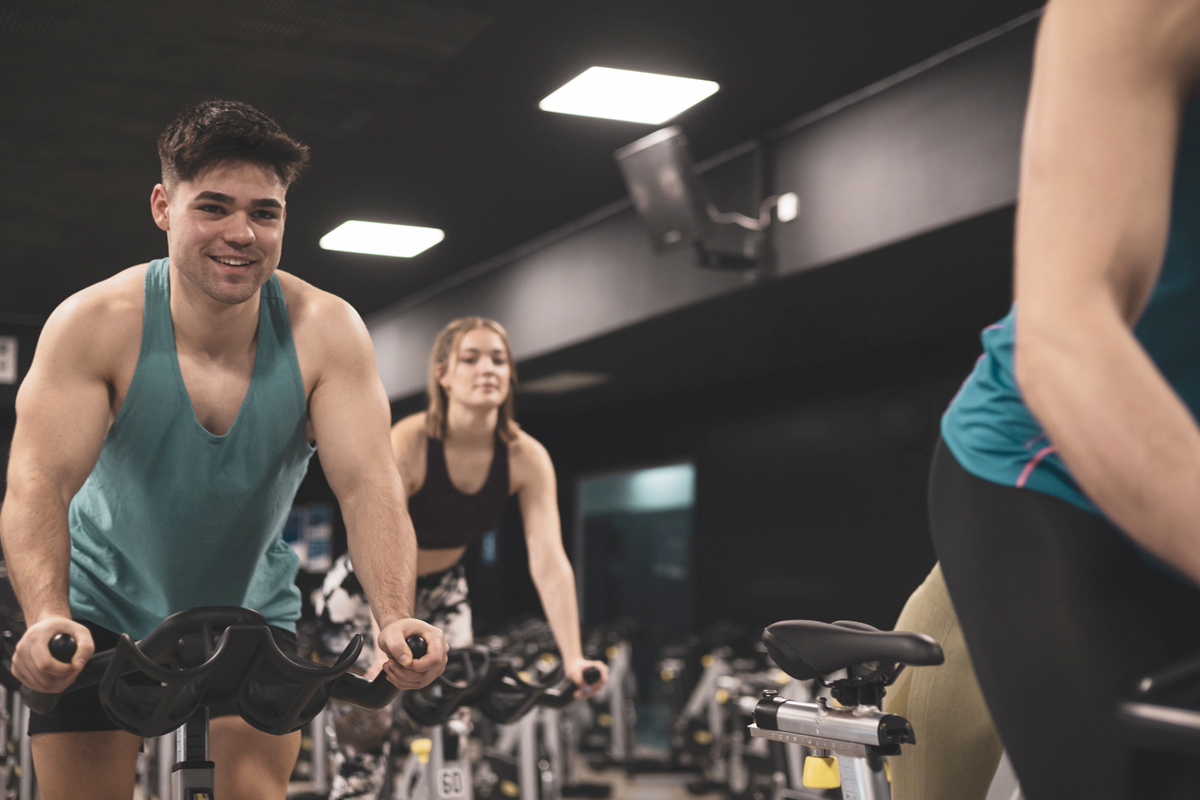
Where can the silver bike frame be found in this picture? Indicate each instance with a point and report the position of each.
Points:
(851, 734)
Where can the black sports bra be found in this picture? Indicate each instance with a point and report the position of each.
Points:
(443, 516)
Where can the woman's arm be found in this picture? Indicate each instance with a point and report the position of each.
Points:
(1110, 80)
(548, 564)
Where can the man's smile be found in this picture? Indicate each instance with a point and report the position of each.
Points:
(233, 261)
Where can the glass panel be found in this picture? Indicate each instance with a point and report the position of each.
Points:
(635, 537)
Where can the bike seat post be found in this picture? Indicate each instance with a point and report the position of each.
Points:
(192, 775)
(864, 777)
(437, 758)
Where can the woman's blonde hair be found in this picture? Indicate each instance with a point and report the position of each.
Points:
(445, 349)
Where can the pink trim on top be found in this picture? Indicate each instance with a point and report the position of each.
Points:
(1032, 465)
(994, 327)
(1035, 440)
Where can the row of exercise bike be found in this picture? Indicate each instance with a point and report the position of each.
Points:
(802, 722)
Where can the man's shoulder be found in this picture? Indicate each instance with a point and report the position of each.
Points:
(111, 307)
(309, 306)
(97, 328)
(327, 332)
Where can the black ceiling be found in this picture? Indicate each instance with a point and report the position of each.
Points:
(417, 112)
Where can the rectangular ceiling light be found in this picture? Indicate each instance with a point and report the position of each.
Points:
(381, 238)
(626, 95)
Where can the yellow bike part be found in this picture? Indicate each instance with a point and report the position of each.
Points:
(421, 748)
(821, 773)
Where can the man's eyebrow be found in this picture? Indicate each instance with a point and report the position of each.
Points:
(220, 197)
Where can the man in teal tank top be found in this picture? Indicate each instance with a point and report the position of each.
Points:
(162, 431)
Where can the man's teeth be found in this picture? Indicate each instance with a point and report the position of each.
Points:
(233, 262)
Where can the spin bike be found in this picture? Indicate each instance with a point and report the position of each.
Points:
(439, 767)
(848, 742)
(196, 658)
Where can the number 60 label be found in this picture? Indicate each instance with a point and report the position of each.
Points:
(451, 783)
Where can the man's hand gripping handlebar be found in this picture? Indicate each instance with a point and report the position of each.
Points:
(404, 667)
(34, 662)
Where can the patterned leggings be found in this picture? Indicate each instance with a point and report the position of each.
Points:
(362, 744)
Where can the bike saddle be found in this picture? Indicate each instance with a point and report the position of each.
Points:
(272, 691)
(806, 650)
(469, 670)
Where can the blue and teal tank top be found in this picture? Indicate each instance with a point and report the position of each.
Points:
(988, 427)
(174, 517)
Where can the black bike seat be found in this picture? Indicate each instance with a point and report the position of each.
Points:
(805, 649)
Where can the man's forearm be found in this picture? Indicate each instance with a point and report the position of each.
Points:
(37, 550)
(383, 549)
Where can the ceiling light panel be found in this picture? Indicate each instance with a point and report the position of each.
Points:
(381, 238)
(626, 95)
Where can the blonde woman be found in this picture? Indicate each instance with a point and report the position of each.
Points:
(459, 461)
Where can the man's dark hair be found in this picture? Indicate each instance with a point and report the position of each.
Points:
(222, 130)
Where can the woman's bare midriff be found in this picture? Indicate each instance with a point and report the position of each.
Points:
(431, 561)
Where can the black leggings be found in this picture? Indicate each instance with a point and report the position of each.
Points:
(1060, 612)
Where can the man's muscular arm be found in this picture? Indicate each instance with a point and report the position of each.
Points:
(350, 417)
(63, 410)
(1111, 78)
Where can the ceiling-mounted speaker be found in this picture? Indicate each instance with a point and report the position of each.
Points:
(668, 197)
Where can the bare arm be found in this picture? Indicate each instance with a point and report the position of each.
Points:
(350, 418)
(548, 564)
(62, 415)
(1110, 80)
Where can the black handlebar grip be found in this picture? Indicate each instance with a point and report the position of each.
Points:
(63, 647)
(417, 645)
(591, 675)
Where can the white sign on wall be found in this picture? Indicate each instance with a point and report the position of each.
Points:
(8, 359)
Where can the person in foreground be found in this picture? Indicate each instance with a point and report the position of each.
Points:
(163, 428)
(460, 460)
(1063, 498)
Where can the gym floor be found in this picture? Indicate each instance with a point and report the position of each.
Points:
(644, 786)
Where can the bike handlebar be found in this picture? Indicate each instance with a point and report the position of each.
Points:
(417, 645)
(476, 677)
(63, 647)
(193, 666)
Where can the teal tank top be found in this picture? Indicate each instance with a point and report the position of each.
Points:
(174, 517)
(991, 431)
